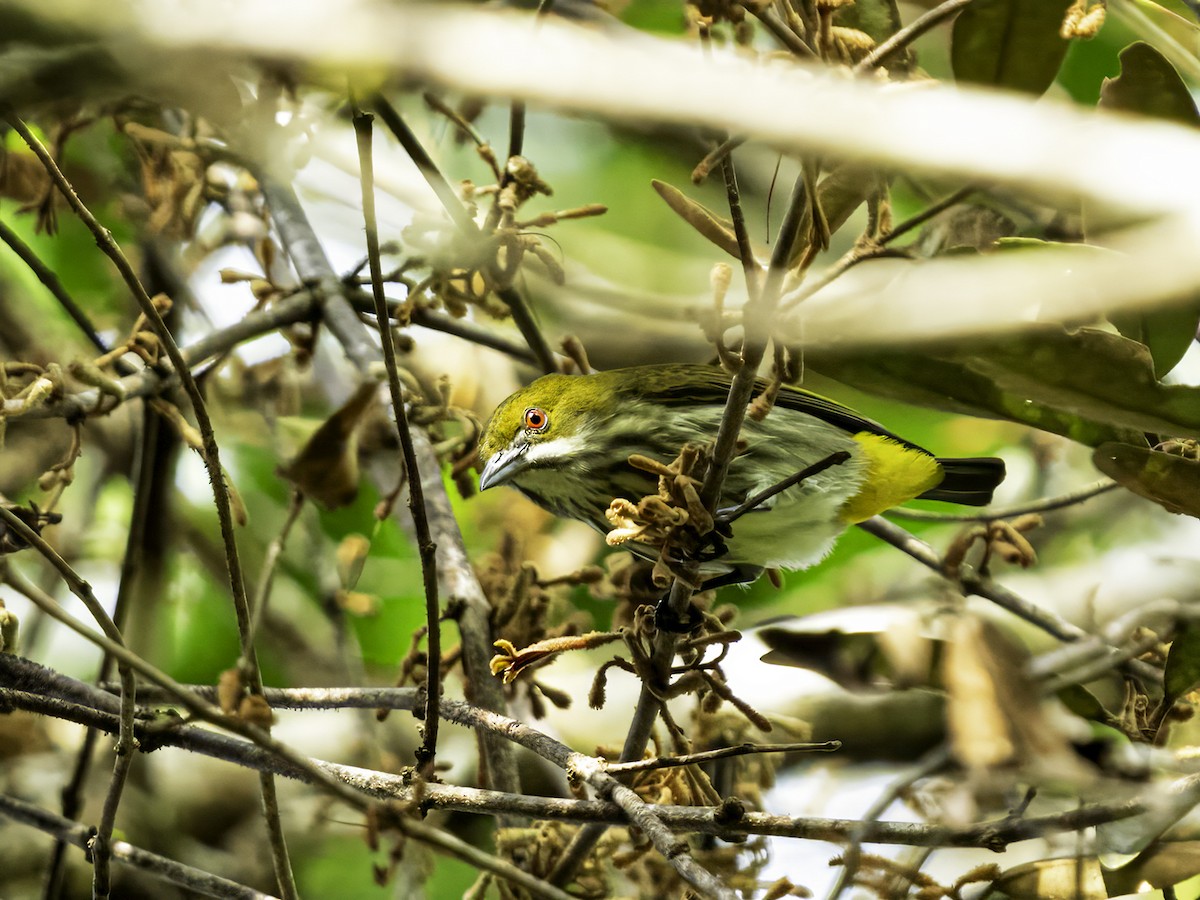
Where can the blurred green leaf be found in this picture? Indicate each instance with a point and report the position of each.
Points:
(1083, 703)
(1182, 671)
(1166, 333)
(1080, 878)
(1088, 385)
(1011, 44)
(201, 639)
(1149, 85)
(655, 16)
(1162, 864)
(1171, 481)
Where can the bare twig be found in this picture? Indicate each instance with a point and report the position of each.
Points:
(780, 31)
(833, 459)
(1046, 504)
(666, 762)
(926, 214)
(47, 277)
(973, 583)
(427, 752)
(459, 585)
(189, 700)
(266, 575)
(908, 34)
(167, 869)
(851, 856)
(211, 455)
(750, 266)
(131, 565)
(424, 162)
(88, 704)
(125, 741)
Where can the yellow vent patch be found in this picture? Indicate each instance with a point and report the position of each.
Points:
(895, 475)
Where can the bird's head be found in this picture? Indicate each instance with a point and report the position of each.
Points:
(545, 426)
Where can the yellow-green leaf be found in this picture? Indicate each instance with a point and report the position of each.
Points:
(1149, 85)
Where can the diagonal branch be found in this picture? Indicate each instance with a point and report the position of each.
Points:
(428, 168)
(459, 586)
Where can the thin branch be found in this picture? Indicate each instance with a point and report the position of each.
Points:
(915, 221)
(1061, 663)
(469, 331)
(486, 862)
(971, 582)
(187, 699)
(49, 278)
(270, 563)
(459, 586)
(151, 863)
(833, 459)
(995, 835)
(908, 34)
(125, 741)
(427, 752)
(780, 31)
(428, 168)
(750, 267)
(211, 455)
(667, 762)
(853, 853)
(131, 564)
(299, 307)
(1046, 504)
(714, 156)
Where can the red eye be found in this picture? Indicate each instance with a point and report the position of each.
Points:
(536, 419)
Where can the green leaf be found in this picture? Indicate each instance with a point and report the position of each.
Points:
(1171, 481)
(1089, 385)
(1084, 703)
(1012, 44)
(1167, 333)
(1149, 85)
(1182, 671)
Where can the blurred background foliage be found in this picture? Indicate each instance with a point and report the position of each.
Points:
(640, 261)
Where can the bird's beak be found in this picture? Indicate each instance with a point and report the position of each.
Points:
(502, 466)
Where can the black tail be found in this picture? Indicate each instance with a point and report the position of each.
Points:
(968, 481)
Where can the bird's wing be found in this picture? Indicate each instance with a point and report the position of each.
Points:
(708, 385)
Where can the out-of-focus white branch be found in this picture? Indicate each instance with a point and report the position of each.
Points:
(1041, 146)
(1054, 152)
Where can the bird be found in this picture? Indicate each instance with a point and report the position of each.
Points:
(565, 441)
